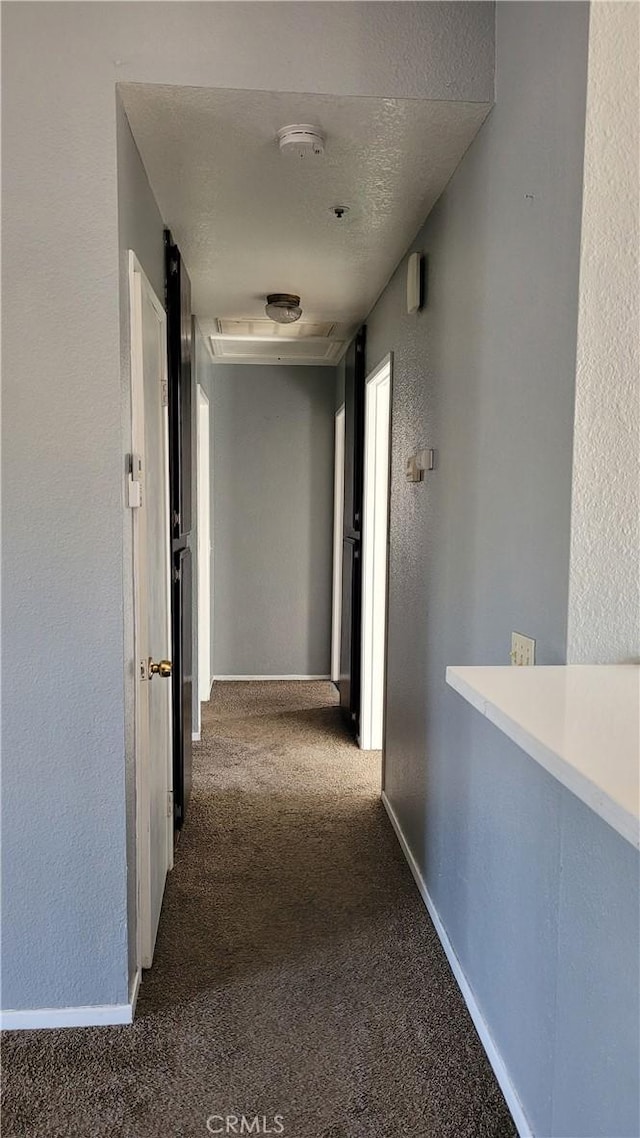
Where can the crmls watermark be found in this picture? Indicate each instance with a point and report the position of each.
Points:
(245, 1124)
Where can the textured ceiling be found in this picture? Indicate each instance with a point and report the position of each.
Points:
(250, 220)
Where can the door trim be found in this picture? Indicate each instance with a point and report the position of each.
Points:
(139, 283)
(205, 568)
(375, 540)
(338, 520)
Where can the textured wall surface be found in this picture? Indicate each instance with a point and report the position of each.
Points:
(485, 375)
(65, 557)
(273, 519)
(604, 609)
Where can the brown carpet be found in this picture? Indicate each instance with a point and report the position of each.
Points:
(297, 972)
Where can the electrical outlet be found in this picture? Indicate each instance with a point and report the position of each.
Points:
(523, 650)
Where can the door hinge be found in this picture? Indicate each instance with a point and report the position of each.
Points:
(177, 574)
(170, 804)
(134, 482)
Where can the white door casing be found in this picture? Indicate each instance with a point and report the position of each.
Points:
(338, 515)
(205, 600)
(152, 604)
(374, 554)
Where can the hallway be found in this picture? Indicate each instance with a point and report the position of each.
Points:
(297, 972)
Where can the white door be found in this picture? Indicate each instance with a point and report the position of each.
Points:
(204, 549)
(377, 419)
(150, 445)
(338, 514)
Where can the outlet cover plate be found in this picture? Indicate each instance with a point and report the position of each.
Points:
(523, 650)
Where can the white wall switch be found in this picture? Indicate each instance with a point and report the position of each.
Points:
(523, 650)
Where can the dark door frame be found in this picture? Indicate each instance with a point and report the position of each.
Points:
(179, 347)
(351, 632)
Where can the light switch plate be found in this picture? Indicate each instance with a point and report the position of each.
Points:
(425, 459)
(413, 471)
(523, 650)
(414, 299)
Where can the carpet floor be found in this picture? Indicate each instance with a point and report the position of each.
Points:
(297, 973)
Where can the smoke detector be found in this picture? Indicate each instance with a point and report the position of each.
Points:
(283, 307)
(301, 139)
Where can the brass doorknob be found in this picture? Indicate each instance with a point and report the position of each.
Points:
(161, 669)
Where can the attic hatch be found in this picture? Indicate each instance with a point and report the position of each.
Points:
(262, 341)
(266, 329)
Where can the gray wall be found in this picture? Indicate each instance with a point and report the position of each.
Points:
(68, 849)
(273, 519)
(485, 374)
(66, 720)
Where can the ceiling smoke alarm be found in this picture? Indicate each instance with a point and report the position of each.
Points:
(301, 139)
(283, 307)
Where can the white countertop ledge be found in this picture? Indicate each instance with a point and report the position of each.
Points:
(581, 722)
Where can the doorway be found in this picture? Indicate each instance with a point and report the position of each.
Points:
(148, 488)
(181, 414)
(377, 422)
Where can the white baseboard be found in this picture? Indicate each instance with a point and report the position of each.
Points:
(92, 1016)
(195, 736)
(225, 679)
(499, 1068)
